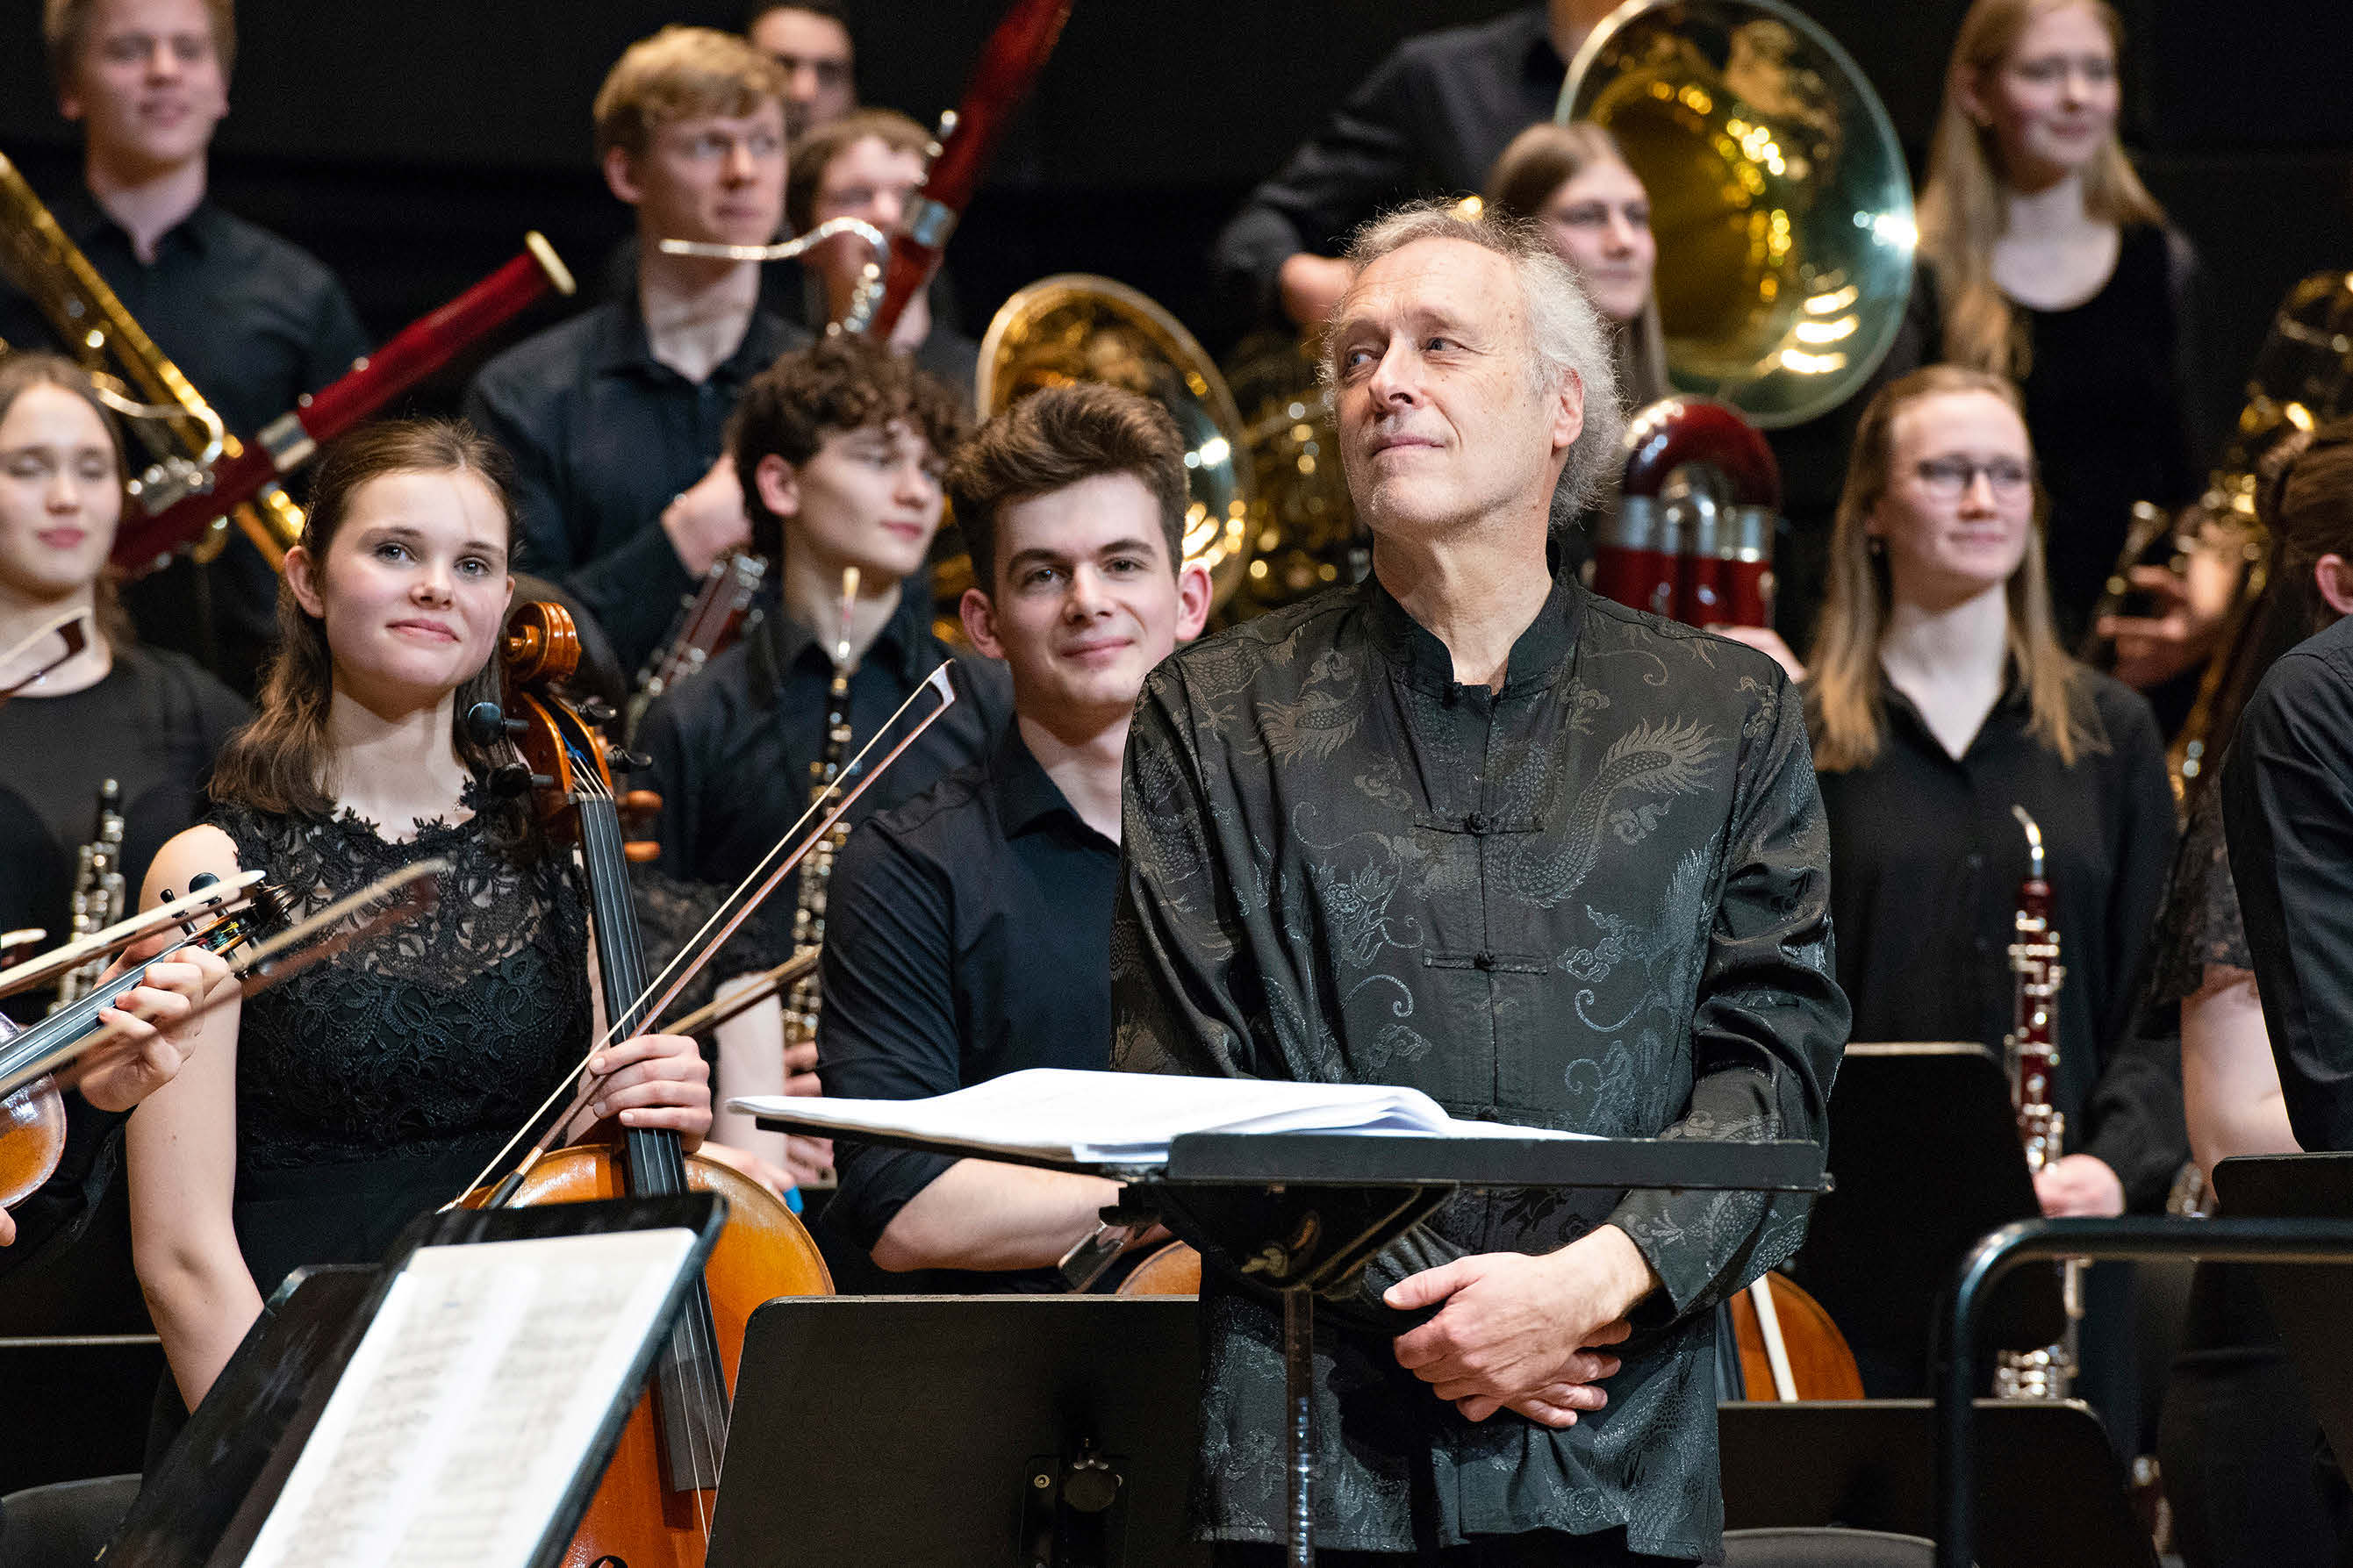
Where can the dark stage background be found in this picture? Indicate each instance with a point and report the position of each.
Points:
(410, 144)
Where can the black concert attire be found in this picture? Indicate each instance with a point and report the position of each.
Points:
(792, 296)
(2105, 402)
(967, 936)
(1929, 860)
(2235, 1438)
(154, 724)
(1431, 120)
(604, 436)
(256, 324)
(371, 1087)
(2287, 803)
(1596, 901)
(733, 747)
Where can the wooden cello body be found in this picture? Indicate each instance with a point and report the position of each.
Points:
(653, 1506)
(636, 1519)
(1821, 1367)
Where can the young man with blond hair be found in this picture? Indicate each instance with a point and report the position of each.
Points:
(254, 321)
(616, 418)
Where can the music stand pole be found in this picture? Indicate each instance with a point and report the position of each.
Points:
(2219, 1240)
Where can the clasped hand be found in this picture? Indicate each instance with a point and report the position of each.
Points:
(653, 1081)
(1523, 1333)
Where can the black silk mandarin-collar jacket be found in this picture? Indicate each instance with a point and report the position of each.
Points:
(1597, 900)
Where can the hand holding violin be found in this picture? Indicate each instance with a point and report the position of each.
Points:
(653, 1080)
(155, 1032)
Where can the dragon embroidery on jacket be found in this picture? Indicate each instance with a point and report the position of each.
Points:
(1657, 759)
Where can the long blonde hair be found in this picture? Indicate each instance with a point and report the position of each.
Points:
(1540, 160)
(1961, 209)
(1845, 698)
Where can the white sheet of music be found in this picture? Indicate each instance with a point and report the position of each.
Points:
(1119, 1116)
(470, 1401)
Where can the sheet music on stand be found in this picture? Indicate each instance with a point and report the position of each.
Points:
(474, 1415)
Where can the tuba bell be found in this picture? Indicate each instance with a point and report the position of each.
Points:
(1777, 192)
(1074, 327)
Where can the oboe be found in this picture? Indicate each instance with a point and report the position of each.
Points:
(97, 892)
(2031, 1049)
(800, 1006)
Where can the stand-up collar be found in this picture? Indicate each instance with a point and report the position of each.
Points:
(1539, 654)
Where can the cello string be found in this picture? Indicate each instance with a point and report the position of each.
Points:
(936, 680)
(609, 890)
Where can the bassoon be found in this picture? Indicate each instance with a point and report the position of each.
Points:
(285, 444)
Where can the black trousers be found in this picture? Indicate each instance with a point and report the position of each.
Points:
(1541, 1548)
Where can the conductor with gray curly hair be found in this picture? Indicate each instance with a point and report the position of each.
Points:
(1466, 827)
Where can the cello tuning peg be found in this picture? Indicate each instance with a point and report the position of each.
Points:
(515, 778)
(486, 721)
(626, 761)
(596, 711)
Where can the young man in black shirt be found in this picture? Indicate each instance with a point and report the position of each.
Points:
(968, 931)
(839, 450)
(616, 418)
(253, 321)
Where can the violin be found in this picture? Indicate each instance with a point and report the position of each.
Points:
(652, 1509)
(33, 1114)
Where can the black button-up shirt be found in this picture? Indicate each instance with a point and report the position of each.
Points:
(1597, 900)
(1431, 120)
(254, 323)
(967, 936)
(604, 436)
(732, 747)
(2287, 803)
(1928, 861)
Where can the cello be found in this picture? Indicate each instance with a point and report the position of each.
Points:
(652, 1508)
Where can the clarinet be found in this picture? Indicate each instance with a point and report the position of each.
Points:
(800, 1006)
(2031, 1050)
(97, 892)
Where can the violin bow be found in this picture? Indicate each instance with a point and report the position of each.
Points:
(220, 897)
(75, 628)
(767, 875)
(412, 892)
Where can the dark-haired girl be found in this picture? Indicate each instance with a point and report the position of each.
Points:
(331, 1111)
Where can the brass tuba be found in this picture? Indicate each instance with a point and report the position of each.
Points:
(1074, 327)
(184, 438)
(1777, 192)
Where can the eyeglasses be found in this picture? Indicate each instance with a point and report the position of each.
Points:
(1949, 479)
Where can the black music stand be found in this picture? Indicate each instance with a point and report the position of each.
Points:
(2048, 1483)
(1047, 1431)
(1302, 1212)
(206, 1502)
(2310, 1305)
(2305, 1241)
(1924, 1150)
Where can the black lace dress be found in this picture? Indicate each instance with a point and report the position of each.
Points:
(371, 1087)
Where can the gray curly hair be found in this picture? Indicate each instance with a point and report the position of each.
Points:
(1567, 333)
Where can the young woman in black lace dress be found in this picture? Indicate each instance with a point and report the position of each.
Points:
(340, 1106)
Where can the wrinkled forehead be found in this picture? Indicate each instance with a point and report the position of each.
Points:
(1431, 281)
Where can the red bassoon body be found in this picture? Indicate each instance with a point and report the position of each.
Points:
(421, 348)
(1009, 68)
